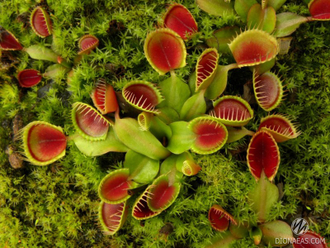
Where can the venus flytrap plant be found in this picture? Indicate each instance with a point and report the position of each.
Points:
(205, 71)
(112, 216)
(211, 135)
(157, 144)
(114, 187)
(306, 241)
(28, 78)
(163, 192)
(220, 218)
(40, 22)
(142, 95)
(8, 42)
(141, 210)
(104, 97)
(268, 90)
(253, 47)
(128, 131)
(186, 164)
(263, 159)
(87, 43)
(263, 155)
(232, 111)
(280, 127)
(180, 20)
(263, 16)
(155, 125)
(89, 123)
(43, 143)
(165, 52)
(206, 67)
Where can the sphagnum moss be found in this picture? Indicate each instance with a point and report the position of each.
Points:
(43, 206)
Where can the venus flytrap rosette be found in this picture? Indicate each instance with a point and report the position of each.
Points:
(142, 95)
(180, 20)
(29, 77)
(319, 9)
(40, 22)
(232, 111)
(165, 50)
(141, 210)
(168, 115)
(129, 132)
(194, 106)
(150, 122)
(262, 18)
(169, 166)
(87, 43)
(263, 155)
(99, 147)
(220, 218)
(210, 133)
(112, 216)
(163, 192)
(104, 97)
(253, 47)
(268, 90)
(310, 239)
(8, 41)
(88, 122)
(186, 164)
(141, 168)
(182, 137)
(280, 127)
(114, 187)
(175, 92)
(206, 67)
(43, 143)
